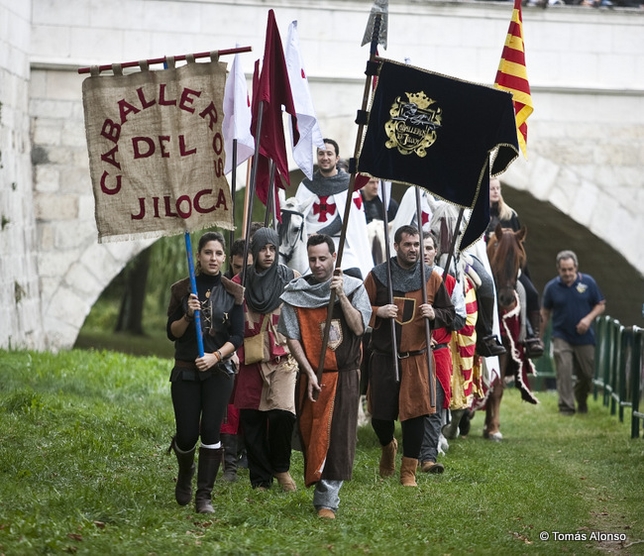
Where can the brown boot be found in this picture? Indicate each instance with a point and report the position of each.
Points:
(408, 472)
(186, 460)
(388, 459)
(286, 481)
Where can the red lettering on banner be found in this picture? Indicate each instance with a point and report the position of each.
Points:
(111, 131)
(110, 190)
(162, 99)
(136, 141)
(163, 139)
(109, 156)
(182, 147)
(144, 103)
(197, 203)
(217, 143)
(210, 114)
(219, 167)
(221, 200)
(126, 108)
(182, 213)
(141, 214)
(140, 150)
(187, 99)
(184, 205)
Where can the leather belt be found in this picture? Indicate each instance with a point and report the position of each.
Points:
(439, 346)
(406, 354)
(403, 355)
(185, 364)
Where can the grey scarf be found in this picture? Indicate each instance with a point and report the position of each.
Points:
(404, 280)
(263, 288)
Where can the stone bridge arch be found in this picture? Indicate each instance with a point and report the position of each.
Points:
(584, 178)
(81, 285)
(564, 210)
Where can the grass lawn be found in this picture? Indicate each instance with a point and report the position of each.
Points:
(84, 470)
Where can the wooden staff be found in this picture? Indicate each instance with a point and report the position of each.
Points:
(452, 246)
(270, 195)
(390, 286)
(164, 59)
(423, 288)
(251, 188)
(233, 189)
(352, 184)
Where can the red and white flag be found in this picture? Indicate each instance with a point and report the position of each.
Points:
(237, 117)
(307, 123)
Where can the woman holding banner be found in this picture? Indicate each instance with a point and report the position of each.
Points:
(201, 386)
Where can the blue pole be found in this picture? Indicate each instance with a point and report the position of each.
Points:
(193, 289)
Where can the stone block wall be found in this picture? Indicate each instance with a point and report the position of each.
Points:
(20, 308)
(586, 142)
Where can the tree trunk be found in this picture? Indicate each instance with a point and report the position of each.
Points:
(131, 312)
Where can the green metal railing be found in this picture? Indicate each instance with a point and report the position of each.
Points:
(619, 369)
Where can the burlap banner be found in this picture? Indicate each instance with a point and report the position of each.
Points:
(156, 151)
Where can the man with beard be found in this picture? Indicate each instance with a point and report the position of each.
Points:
(327, 409)
(324, 198)
(407, 398)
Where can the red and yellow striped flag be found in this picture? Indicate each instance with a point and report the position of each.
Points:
(512, 75)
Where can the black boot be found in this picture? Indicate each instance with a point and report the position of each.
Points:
(186, 460)
(209, 461)
(489, 346)
(533, 345)
(229, 442)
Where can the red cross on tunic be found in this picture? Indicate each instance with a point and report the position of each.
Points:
(323, 208)
(357, 199)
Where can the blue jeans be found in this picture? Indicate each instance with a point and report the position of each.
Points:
(429, 448)
(327, 494)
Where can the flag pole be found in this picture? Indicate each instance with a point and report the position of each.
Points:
(361, 120)
(423, 288)
(193, 289)
(270, 194)
(251, 188)
(233, 190)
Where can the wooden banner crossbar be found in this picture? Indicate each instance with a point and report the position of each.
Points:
(180, 57)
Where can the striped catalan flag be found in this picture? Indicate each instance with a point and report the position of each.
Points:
(512, 75)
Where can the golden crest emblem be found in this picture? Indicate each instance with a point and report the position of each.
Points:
(335, 334)
(413, 125)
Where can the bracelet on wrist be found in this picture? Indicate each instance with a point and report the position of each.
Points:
(188, 318)
(219, 356)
